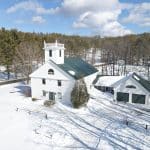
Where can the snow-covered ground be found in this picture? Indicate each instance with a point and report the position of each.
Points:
(100, 125)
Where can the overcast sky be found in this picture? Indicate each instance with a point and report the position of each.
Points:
(79, 17)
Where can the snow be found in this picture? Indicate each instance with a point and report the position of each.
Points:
(2, 69)
(100, 125)
(136, 78)
(108, 80)
(72, 72)
(119, 70)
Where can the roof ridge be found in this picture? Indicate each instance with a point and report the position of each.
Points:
(145, 83)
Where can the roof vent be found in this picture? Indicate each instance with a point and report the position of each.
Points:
(72, 72)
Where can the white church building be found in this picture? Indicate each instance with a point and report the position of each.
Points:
(56, 78)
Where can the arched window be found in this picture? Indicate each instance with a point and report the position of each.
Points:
(50, 71)
(131, 86)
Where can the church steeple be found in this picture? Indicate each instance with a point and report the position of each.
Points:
(54, 52)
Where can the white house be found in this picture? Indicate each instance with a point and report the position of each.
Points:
(132, 88)
(55, 79)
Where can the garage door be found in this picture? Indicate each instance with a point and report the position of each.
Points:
(136, 98)
(122, 96)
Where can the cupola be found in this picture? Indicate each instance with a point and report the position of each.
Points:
(54, 52)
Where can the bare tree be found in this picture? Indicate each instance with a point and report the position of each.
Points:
(27, 58)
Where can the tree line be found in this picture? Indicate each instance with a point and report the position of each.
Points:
(21, 52)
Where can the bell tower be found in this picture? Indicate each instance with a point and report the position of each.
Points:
(54, 52)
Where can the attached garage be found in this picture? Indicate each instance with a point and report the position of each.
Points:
(131, 88)
(136, 98)
(122, 96)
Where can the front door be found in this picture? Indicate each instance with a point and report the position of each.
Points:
(51, 96)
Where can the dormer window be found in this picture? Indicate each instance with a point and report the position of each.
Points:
(50, 53)
(51, 71)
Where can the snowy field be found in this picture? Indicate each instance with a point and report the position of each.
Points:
(100, 125)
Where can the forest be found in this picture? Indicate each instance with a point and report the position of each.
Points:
(20, 51)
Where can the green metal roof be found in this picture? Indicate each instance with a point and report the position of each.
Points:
(77, 68)
(142, 81)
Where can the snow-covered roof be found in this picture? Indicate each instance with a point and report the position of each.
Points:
(112, 81)
(108, 81)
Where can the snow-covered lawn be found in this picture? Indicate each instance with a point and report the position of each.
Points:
(100, 125)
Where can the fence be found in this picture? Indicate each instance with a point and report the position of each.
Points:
(13, 81)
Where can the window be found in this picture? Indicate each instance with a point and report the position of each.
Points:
(44, 93)
(50, 53)
(43, 81)
(131, 86)
(59, 95)
(60, 53)
(59, 83)
(52, 95)
(50, 71)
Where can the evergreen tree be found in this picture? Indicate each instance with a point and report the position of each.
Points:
(8, 42)
(79, 94)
